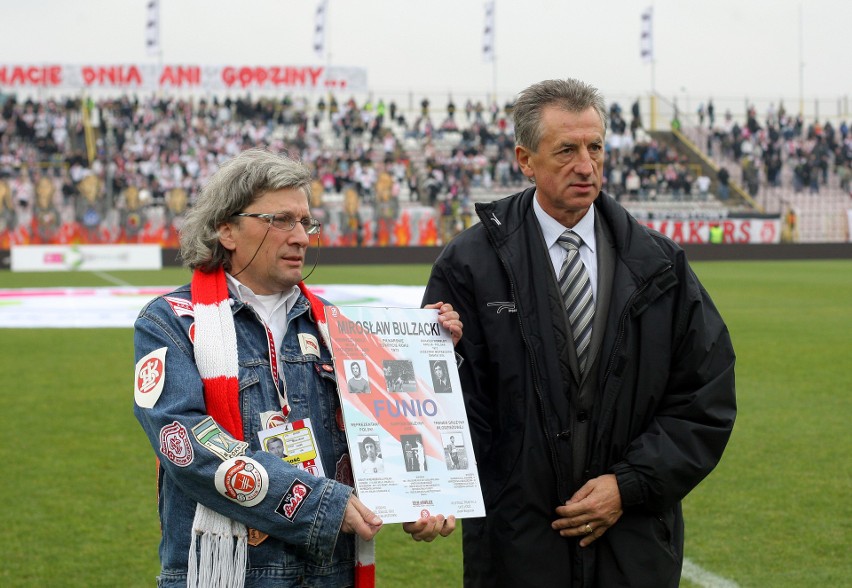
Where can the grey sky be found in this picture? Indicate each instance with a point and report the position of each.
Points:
(727, 49)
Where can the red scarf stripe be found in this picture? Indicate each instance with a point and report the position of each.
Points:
(318, 314)
(216, 350)
(317, 307)
(209, 287)
(365, 575)
(219, 393)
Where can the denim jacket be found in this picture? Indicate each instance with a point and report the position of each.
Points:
(308, 550)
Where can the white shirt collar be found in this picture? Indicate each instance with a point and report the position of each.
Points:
(247, 295)
(552, 228)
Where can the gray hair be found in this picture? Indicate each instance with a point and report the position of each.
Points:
(569, 95)
(235, 185)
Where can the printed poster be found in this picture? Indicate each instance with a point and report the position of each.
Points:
(406, 424)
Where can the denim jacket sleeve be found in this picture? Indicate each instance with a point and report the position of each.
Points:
(179, 416)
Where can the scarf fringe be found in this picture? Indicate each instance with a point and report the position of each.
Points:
(223, 545)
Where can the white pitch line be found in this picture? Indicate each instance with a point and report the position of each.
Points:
(111, 279)
(698, 575)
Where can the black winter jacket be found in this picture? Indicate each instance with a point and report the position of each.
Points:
(661, 419)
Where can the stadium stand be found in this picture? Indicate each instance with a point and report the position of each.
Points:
(123, 169)
(787, 167)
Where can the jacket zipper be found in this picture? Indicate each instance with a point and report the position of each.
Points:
(553, 457)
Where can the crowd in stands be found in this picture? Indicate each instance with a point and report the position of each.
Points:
(144, 158)
(764, 149)
(640, 168)
(157, 152)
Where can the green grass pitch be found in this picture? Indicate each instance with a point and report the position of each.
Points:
(79, 506)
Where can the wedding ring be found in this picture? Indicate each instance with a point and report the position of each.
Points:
(588, 529)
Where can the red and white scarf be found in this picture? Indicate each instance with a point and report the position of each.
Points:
(224, 543)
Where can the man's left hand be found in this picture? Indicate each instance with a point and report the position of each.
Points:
(429, 528)
(592, 510)
(449, 319)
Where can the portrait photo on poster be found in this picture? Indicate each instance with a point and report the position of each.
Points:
(356, 377)
(371, 454)
(440, 376)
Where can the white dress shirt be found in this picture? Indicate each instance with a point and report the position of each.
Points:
(551, 229)
(272, 308)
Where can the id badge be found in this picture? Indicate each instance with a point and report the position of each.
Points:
(295, 443)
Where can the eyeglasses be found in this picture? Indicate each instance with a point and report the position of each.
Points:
(286, 222)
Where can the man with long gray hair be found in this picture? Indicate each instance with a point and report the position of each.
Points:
(598, 375)
(243, 348)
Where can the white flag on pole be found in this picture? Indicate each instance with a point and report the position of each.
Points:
(646, 40)
(152, 28)
(319, 28)
(488, 33)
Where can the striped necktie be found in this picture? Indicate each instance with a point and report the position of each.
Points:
(576, 291)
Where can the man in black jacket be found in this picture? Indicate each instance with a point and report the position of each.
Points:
(585, 448)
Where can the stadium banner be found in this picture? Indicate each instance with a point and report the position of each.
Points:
(734, 230)
(63, 258)
(212, 78)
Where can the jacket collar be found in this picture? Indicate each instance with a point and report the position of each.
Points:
(501, 218)
(635, 244)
